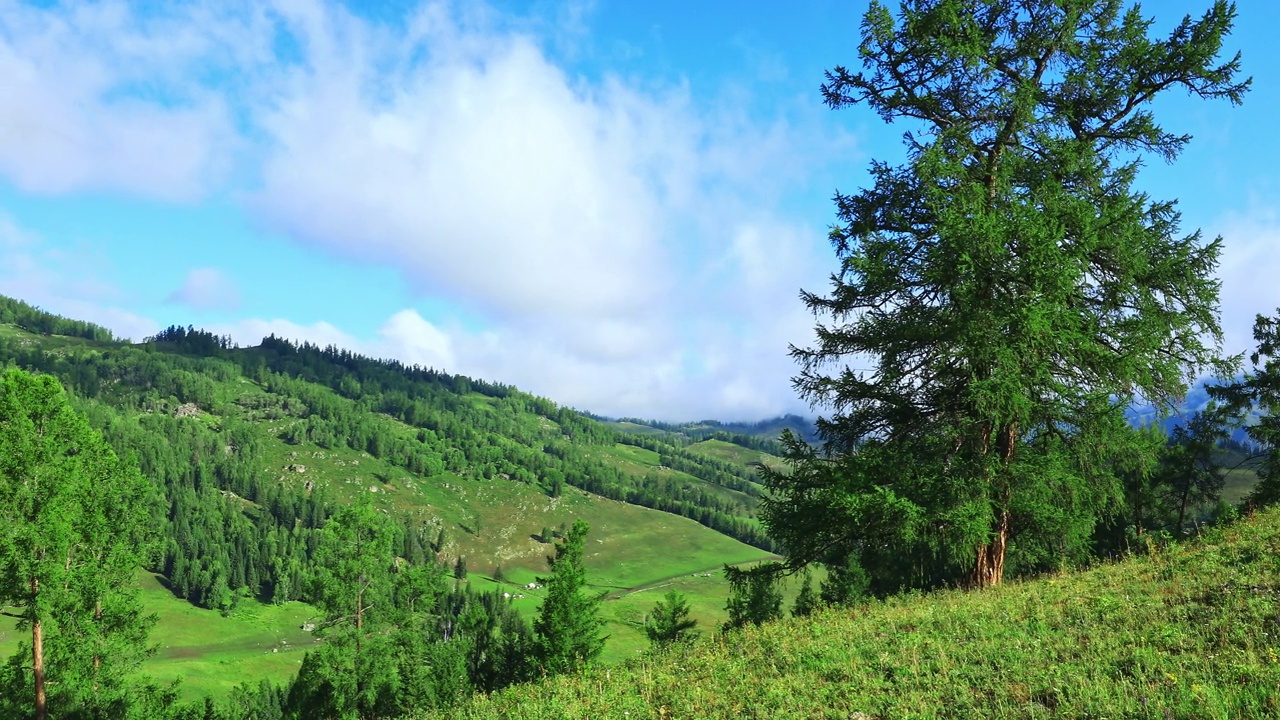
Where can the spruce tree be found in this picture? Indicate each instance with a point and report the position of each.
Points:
(754, 595)
(806, 600)
(354, 673)
(669, 620)
(1259, 390)
(568, 627)
(1004, 294)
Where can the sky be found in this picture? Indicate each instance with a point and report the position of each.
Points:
(611, 204)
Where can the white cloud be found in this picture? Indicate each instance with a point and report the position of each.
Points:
(1249, 266)
(207, 289)
(95, 98)
(410, 338)
(489, 178)
(250, 332)
(612, 237)
(615, 244)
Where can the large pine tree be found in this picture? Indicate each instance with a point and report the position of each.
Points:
(568, 626)
(75, 531)
(1004, 293)
(353, 674)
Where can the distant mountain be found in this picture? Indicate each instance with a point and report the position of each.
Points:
(1197, 399)
(763, 434)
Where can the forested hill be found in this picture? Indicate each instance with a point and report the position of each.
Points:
(252, 447)
(762, 435)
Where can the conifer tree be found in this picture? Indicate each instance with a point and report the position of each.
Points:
(1259, 390)
(568, 627)
(806, 600)
(1005, 293)
(754, 595)
(669, 620)
(353, 674)
(75, 530)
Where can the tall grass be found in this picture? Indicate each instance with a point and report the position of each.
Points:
(1188, 631)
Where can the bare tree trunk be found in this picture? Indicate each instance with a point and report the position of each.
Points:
(356, 663)
(37, 650)
(988, 569)
(988, 566)
(1182, 510)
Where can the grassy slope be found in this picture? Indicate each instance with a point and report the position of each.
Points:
(1190, 631)
(639, 462)
(490, 522)
(209, 652)
(1239, 483)
(630, 550)
(212, 653)
(736, 454)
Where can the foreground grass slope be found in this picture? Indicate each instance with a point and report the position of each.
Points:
(1189, 631)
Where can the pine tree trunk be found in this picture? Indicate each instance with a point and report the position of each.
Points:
(988, 566)
(1182, 511)
(37, 650)
(988, 570)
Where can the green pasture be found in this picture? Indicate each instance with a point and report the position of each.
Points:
(211, 653)
(641, 462)
(736, 454)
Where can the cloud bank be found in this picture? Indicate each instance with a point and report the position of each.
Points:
(615, 244)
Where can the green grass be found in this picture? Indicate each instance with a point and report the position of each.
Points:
(635, 429)
(489, 522)
(640, 462)
(736, 454)
(1190, 631)
(210, 653)
(633, 555)
(1239, 483)
(629, 551)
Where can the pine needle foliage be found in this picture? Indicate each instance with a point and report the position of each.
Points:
(568, 627)
(1003, 294)
(669, 620)
(76, 526)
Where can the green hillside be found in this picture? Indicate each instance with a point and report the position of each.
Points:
(764, 433)
(745, 457)
(1188, 631)
(251, 448)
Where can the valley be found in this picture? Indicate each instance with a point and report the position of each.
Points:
(471, 471)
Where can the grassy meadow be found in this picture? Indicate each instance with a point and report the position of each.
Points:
(213, 653)
(736, 454)
(209, 652)
(1189, 631)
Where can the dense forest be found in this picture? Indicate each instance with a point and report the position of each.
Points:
(217, 546)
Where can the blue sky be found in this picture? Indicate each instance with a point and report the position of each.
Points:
(611, 204)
